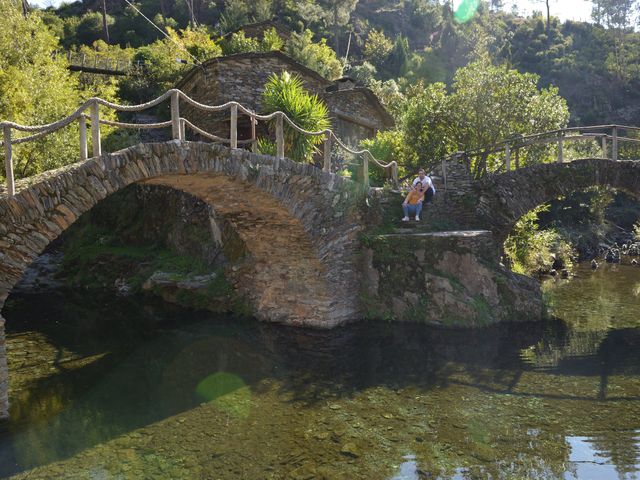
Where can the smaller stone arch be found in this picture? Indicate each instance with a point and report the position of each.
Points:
(503, 199)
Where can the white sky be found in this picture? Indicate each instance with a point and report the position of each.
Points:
(564, 9)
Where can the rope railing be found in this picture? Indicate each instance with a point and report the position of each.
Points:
(607, 135)
(178, 126)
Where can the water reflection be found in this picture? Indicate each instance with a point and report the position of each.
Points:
(106, 388)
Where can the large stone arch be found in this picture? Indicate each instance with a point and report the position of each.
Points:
(503, 199)
(297, 222)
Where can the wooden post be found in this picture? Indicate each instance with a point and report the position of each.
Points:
(326, 167)
(604, 147)
(82, 121)
(175, 115)
(507, 157)
(254, 140)
(444, 173)
(183, 129)
(614, 144)
(95, 129)
(394, 173)
(8, 161)
(365, 170)
(234, 126)
(280, 135)
(560, 150)
(517, 158)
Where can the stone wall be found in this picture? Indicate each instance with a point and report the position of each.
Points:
(360, 114)
(444, 278)
(166, 218)
(242, 78)
(4, 374)
(239, 78)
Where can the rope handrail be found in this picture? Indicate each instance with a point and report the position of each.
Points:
(521, 141)
(211, 136)
(141, 126)
(362, 152)
(177, 124)
(515, 143)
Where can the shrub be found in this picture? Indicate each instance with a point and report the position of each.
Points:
(286, 93)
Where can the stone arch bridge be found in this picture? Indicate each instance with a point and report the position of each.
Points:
(297, 223)
(498, 201)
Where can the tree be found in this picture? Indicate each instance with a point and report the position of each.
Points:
(317, 56)
(613, 13)
(286, 94)
(548, 30)
(36, 88)
(377, 48)
(487, 104)
(490, 103)
(338, 14)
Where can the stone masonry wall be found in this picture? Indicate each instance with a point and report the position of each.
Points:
(236, 78)
(242, 78)
(355, 104)
(444, 278)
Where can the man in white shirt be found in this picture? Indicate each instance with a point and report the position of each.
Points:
(426, 184)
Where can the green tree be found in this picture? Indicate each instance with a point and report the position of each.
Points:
(92, 27)
(239, 43)
(317, 56)
(491, 103)
(337, 15)
(286, 94)
(35, 88)
(159, 62)
(377, 48)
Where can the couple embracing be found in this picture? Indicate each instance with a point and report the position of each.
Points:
(422, 191)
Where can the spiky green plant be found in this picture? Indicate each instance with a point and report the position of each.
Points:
(286, 93)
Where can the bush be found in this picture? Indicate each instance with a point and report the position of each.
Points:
(532, 250)
(317, 56)
(286, 93)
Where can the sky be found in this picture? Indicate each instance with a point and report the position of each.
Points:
(564, 9)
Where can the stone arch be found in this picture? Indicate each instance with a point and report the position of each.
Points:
(505, 198)
(298, 224)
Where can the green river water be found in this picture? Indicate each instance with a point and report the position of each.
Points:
(125, 388)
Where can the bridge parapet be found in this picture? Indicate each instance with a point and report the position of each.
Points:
(505, 154)
(178, 126)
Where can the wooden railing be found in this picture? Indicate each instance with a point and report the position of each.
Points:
(99, 63)
(608, 136)
(178, 126)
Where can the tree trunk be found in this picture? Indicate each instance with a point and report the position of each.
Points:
(548, 21)
(105, 26)
(336, 28)
(25, 8)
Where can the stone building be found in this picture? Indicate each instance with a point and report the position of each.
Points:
(355, 112)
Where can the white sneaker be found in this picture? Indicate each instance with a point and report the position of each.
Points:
(405, 219)
(417, 218)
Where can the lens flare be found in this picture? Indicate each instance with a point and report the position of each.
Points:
(466, 10)
(227, 392)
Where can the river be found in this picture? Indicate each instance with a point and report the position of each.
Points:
(128, 388)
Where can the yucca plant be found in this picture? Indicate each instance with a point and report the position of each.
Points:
(286, 93)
